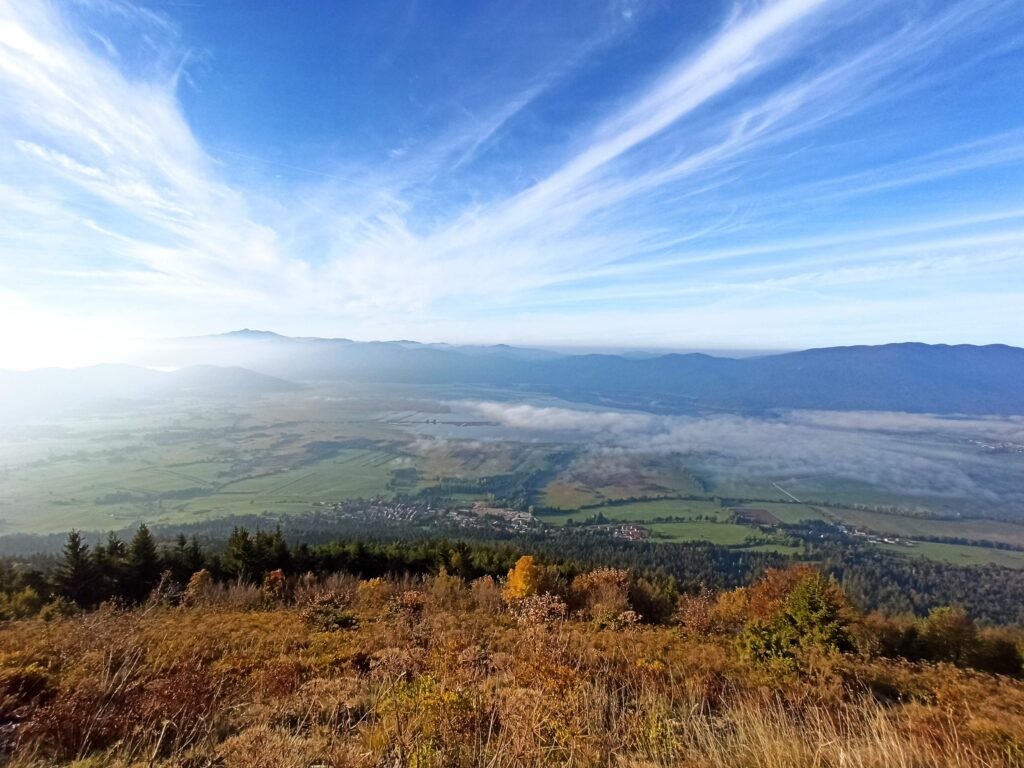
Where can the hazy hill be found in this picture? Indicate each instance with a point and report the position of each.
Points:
(906, 377)
(56, 391)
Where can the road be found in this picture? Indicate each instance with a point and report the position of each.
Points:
(794, 498)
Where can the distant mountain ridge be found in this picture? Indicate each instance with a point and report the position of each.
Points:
(902, 376)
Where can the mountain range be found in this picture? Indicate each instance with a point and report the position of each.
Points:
(904, 377)
(892, 377)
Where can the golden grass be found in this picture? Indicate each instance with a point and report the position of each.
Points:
(445, 677)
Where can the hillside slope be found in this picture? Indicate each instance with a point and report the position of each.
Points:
(441, 672)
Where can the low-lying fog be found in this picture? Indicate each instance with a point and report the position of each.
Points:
(911, 454)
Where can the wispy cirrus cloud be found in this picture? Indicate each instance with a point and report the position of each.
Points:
(754, 164)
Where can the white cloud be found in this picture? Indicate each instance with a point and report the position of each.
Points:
(868, 447)
(659, 218)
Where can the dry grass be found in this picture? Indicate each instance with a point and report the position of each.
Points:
(438, 674)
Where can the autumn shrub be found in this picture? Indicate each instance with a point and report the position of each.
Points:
(374, 593)
(537, 610)
(448, 591)
(237, 595)
(274, 586)
(890, 637)
(601, 595)
(199, 588)
(20, 605)
(730, 611)
(328, 612)
(58, 608)
(425, 722)
(794, 611)
(527, 684)
(694, 614)
(486, 594)
(655, 603)
(23, 682)
(98, 707)
(408, 604)
(268, 747)
(996, 651)
(948, 634)
(186, 700)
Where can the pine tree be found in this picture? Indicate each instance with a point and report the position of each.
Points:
(75, 576)
(279, 556)
(195, 560)
(239, 559)
(185, 558)
(109, 562)
(144, 565)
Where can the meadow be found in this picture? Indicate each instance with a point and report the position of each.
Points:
(975, 529)
(785, 512)
(960, 554)
(182, 464)
(593, 479)
(645, 511)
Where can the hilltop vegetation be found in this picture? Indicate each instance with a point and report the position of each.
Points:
(544, 666)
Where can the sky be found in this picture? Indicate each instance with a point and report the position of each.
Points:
(662, 174)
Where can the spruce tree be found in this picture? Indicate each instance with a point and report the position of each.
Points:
(239, 559)
(195, 559)
(184, 558)
(75, 577)
(144, 566)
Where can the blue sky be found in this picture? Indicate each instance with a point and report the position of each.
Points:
(774, 174)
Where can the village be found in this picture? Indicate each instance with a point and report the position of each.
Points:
(480, 515)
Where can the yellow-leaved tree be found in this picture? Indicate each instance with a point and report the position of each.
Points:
(524, 580)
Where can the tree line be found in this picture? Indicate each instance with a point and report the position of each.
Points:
(115, 569)
(129, 568)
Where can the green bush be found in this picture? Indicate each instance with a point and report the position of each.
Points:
(328, 613)
(813, 614)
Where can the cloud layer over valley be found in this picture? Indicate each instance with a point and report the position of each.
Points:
(910, 455)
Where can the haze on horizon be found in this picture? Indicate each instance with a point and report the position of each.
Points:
(724, 175)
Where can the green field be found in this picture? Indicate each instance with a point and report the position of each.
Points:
(976, 529)
(104, 495)
(789, 514)
(960, 554)
(696, 520)
(723, 534)
(351, 474)
(644, 511)
(593, 480)
(175, 464)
